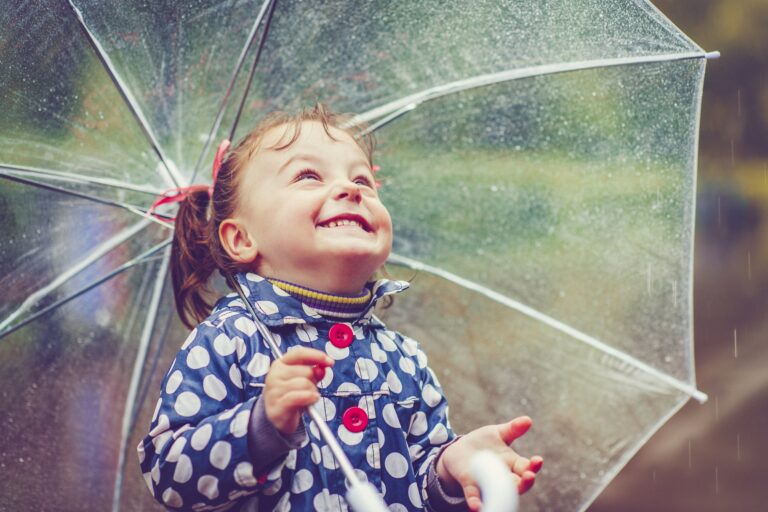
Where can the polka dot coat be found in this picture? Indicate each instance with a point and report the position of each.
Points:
(195, 456)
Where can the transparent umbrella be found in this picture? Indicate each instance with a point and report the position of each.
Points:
(538, 160)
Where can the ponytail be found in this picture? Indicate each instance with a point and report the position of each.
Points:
(191, 260)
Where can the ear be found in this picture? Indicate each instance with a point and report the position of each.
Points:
(237, 242)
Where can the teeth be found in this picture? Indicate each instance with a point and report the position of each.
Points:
(343, 222)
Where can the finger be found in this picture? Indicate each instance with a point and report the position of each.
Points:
(516, 463)
(299, 399)
(318, 373)
(306, 356)
(536, 463)
(526, 482)
(472, 495)
(514, 429)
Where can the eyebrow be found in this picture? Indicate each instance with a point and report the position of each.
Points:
(316, 160)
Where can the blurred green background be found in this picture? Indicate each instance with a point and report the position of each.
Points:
(714, 457)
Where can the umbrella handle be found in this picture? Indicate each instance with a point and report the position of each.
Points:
(497, 488)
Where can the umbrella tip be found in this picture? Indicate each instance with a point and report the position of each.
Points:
(712, 55)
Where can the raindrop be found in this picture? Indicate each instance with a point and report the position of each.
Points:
(738, 447)
(690, 457)
(738, 103)
(717, 481)
(735, 344)
(749, 265)
(494, 188)
(719, 211)
(717, 409)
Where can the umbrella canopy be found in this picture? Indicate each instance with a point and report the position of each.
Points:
(538, 160)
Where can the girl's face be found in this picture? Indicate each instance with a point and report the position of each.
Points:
(312, 211)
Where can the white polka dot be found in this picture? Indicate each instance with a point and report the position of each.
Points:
(156, 472)
(172, 498)
(325, 408)
(173, 382)
(381, 437)
(290, 460)
(348, 388)
(366, 369)
(329, 461)
(279, 291)
(314, 431)
(183, 470)
(315, 455)
(408, 366)
(306, 333)
(421, 358)
(372, 455)
(327, 378)
(245, 325)
(214, 388)
(181, 430)
(410, 346)
(176, 448)
(267, 307)
(224, 345)
(397, 507)
(142, 454)
(148, 481)
(228, 413)
(157, 408)
(235, 376)
(189, 339)
(415, 451)
(200, 438)
(259, 365)
(241, 348)
(390, 416)
(244, 475)
(377, 354)
(430, 395)
(309, 311)
(386, 340)
(366, 404)
(198, 358)
(438, 435)
(273, 488)
(336, 352)
(220, 455)
(394, 382)
(187, 404)
(419, 424)
(302, 481)
(434, 376)
(163, 424)
(239, 425)
(255, 278)
(350, 438)
(396, 465)
(208, 486)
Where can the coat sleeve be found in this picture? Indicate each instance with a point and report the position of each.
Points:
(196, 454)
(429, 429)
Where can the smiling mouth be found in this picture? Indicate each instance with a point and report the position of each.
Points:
(346, 220)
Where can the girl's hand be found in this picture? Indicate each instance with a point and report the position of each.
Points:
(291, 386)
(453, 464)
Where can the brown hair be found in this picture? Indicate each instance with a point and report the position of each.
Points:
(197, 250)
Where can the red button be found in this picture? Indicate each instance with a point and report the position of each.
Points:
(341, 335)
(355, 419)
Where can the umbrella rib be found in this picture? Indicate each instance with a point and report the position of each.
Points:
(133, 387)
(95, 199)
(97, 253)
(80, 178)
(413, 100)
(251, 74)
(171, 174)
(140, 259)
(553, 323)
(225, 100)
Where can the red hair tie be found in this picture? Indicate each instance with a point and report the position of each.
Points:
(179, 194)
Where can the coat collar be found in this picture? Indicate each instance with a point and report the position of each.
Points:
(275, 307)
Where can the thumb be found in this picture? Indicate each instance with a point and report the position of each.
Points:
(514, 429)
(472, 495)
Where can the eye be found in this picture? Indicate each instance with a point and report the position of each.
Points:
(307, 174)
(364, 181)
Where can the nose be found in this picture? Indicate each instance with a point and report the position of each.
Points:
(348, 190)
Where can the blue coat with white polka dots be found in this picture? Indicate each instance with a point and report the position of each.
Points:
(195, 456)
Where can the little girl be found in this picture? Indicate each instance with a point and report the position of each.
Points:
(294, 215)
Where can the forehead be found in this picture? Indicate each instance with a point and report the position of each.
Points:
(312, 139)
